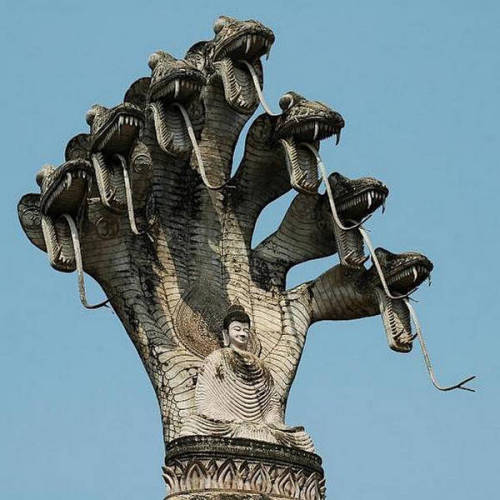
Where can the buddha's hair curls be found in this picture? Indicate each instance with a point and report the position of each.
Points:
(236, 312)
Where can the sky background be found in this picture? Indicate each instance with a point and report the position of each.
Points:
(418, 86)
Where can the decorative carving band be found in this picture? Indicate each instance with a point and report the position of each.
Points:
(241, 467)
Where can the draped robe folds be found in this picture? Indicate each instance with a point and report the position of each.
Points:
(235, 397)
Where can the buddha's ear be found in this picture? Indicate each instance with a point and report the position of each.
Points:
(225, 338)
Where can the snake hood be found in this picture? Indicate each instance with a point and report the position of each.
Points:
(222, 57)
(304, 121)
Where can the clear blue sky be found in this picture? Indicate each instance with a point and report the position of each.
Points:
(418, 85)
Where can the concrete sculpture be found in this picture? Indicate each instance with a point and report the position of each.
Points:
(145, 203)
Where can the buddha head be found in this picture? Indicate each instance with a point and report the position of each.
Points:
(236, 328)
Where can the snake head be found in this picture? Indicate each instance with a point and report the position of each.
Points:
(355, 199)
(403, 272)
(113, 130)
(309, 122)
(63, 191)
(175, 82)
(236, 41)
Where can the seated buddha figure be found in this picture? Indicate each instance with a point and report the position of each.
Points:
(235, 392)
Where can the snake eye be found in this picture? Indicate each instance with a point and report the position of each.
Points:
(153, 60)
(383, 255)
(91, 114)
(286, 101)
(335, 178)
(219, 23)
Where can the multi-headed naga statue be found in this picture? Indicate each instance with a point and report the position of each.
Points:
(146, 204)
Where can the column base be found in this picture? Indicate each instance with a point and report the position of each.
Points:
(206, 468)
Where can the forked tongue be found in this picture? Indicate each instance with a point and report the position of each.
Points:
(397, 315)
(396, 311)
(427, 359)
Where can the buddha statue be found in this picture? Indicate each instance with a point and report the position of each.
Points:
(235, 393)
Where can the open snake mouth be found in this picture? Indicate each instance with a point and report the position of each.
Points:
(63, 193)
(120, 132)
(356, 199)
(403, 272)
(181, 86)
(312, 128)
(306, 123)
(235, 42)
(64, 189)
(250, 43)
(360, 205)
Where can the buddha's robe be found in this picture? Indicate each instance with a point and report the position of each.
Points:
(236, 397)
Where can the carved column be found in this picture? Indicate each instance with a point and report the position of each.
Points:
(241, 467)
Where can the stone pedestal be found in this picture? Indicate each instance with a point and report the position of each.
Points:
(205, 468)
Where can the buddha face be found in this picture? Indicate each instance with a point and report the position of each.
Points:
(237, 334)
